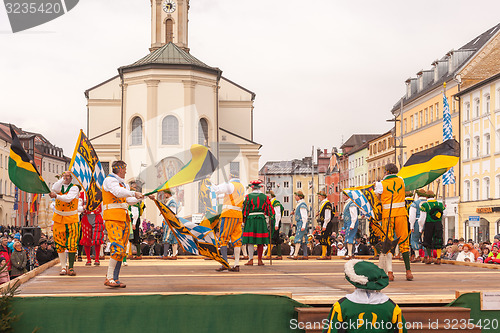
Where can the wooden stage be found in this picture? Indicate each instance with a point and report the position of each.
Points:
(312, 282)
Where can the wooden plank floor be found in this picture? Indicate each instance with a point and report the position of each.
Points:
(310, 282)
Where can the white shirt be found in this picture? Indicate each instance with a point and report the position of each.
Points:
(328, 214)
(277, 215)
(112, 184)
(135, 212)
(68, 197)
(462, 256)
(303, 213)
(353, 210)
(225, 188)
(412, 213)
(423, 216)
(365, 296)
(342, 252)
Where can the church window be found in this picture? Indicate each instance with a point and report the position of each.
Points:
(170, 131)
(203, 132)
(169, 30)
(105, 167)
(136, 131)
(234, 169)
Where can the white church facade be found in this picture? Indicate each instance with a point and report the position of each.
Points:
(151, 113)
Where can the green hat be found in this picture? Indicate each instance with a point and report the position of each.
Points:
(365, 275)
(299, 194)
(322, 193)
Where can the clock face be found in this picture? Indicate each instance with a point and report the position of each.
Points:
(169, 6)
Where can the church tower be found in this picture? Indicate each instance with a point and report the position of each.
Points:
(169, 23)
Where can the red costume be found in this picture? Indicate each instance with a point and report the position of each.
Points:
(92, 226)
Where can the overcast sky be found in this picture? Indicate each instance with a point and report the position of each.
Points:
(322, 70)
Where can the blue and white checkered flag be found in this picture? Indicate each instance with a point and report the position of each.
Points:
(192, 238)
(357, 195)
(87, 169)
(448, 176)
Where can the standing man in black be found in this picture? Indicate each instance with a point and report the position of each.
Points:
(324, 219)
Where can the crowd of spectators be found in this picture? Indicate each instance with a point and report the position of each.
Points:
(16, 259)
(484, 252)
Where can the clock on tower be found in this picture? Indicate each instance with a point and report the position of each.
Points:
(169, 6)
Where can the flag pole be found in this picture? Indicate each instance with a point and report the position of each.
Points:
(444, 188)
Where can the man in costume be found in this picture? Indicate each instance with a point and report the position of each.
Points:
(66, 228)
(414, 215)
(168, 235)
(135, 212)
(301, 217)
(116, 196)
(275, 226)
(351, 222)
(367, 309)
(231, 219)
(430, 222)
(391, 192)
(256, 207)
(324, 218)
(92, 227)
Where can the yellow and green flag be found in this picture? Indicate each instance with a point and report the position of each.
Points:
(202, 164)
(424, 167)
(22, 170)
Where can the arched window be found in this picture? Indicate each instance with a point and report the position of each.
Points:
(203, 132)
(486, 188)
(467, 190)
(467, 111)
(475, 189)
(169, 31)
(476, 107)
(136, 131)
(170, 131)
(487, 104)
(487, 144)
(477, 146)
(497, 186)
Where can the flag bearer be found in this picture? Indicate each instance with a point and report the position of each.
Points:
(391, 192)
(231, 219)
(116, 196)
(66, 229)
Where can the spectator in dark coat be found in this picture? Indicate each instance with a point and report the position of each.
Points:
(151, 248)
(45, 252)
(360, 247)
(18, 259)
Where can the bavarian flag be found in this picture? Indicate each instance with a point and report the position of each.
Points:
(192, 238)
(426, 166)
(87, 168)
(22, 170)
(202, 164)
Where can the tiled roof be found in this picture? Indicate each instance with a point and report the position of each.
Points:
(357, 140)
(286, 168)
(169, 54)
(468, 51)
